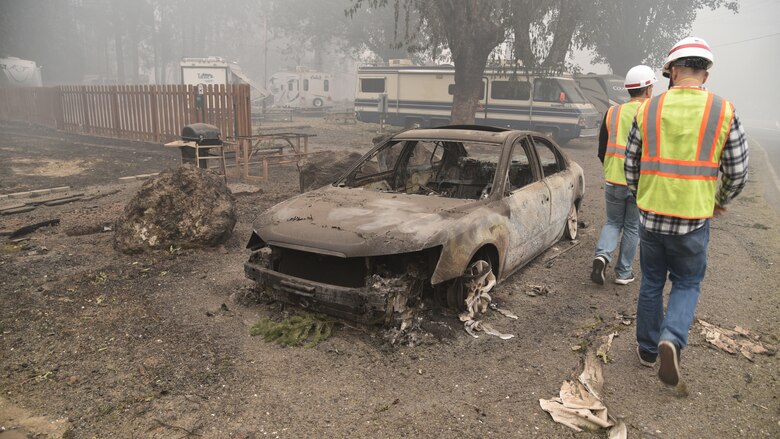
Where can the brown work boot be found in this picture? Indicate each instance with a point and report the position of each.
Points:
(669, 359)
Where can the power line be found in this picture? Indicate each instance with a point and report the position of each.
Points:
(745, 41)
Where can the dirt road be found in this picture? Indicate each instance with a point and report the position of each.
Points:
(158, 346)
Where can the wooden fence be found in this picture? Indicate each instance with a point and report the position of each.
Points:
(139, 112)
(38, 105)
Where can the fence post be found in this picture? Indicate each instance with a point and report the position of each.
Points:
(84, 111)
(155, 118)
(59, 108)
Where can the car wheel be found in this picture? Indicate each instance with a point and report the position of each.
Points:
(317, 102)
(466, 292)
(570, 231)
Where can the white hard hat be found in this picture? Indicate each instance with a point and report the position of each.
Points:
(687, 48)
(639, 77)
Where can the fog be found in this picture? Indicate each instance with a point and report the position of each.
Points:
(746, 46)
(76, 42)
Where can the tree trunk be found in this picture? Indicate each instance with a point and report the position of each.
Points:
(134, 56)
(468, 85)
(120, 56)
(565, 25)
(472, 30)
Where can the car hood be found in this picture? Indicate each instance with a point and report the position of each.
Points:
(351, 222)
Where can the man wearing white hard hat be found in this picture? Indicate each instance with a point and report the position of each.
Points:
(681, 144)
(622, 214)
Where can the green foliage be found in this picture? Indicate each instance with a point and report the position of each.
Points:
(295, 331)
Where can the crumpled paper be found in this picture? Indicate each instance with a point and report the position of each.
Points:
(478, 301)
(733, 341)
(579, 405)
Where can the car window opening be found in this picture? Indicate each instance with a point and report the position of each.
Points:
(464, 170)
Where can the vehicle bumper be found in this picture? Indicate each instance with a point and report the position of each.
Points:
(589, 132)
(365, 305)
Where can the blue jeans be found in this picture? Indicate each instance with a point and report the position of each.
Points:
(622, 214)
(684, 257)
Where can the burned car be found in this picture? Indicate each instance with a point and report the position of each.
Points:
(418, 218)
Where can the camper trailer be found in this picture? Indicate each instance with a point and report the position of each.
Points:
(422, 96)
(216, 71)
(17, 72)
(301, 89)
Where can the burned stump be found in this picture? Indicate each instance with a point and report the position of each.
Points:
(324, 168)
(184, 207)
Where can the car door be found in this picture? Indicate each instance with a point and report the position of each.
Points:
(527, 198)
(560, 183)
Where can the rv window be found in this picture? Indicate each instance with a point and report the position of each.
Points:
(510, 90)
(326, 85)
(305, 85)
(372, 85)
(550, 89)
(451, 90)
(546, 90)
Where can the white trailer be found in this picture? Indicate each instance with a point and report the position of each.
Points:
(214, 70)
(422, 96)
(17, 72)
(301, 89)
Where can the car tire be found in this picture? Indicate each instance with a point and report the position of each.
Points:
(570, 229)
(317, 102)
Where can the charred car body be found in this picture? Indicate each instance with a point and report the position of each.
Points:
(416, 218)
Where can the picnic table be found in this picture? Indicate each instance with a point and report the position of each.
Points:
(269, 150)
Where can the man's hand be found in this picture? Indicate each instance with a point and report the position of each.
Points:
(718, 211)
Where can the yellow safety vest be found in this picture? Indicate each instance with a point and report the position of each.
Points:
(619, 121)
(683, 134)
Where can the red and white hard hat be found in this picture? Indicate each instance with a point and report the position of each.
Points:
(639, 77)
(687, 48)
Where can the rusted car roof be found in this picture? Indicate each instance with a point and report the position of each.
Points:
(492, 135)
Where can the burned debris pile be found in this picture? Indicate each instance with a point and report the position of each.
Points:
(325, 168)
(184, 207)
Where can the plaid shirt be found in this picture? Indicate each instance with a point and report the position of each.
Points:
(733, 176)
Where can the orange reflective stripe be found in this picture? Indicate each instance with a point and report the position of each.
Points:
(657, 212)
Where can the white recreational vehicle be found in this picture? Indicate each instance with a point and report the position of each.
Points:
(17, 72)
(301, 89)
(422, 96)
(214, 70)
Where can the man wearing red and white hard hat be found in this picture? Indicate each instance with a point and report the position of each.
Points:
(622, 214)
(681, 144)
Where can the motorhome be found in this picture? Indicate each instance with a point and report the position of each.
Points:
(214, 70)
(603, 91)
(422, 96)
(17, 72)
(301, 88)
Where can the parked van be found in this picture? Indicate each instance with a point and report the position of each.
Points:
(422, 96)
(301, 89)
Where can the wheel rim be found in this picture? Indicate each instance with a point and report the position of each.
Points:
(571, 222)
